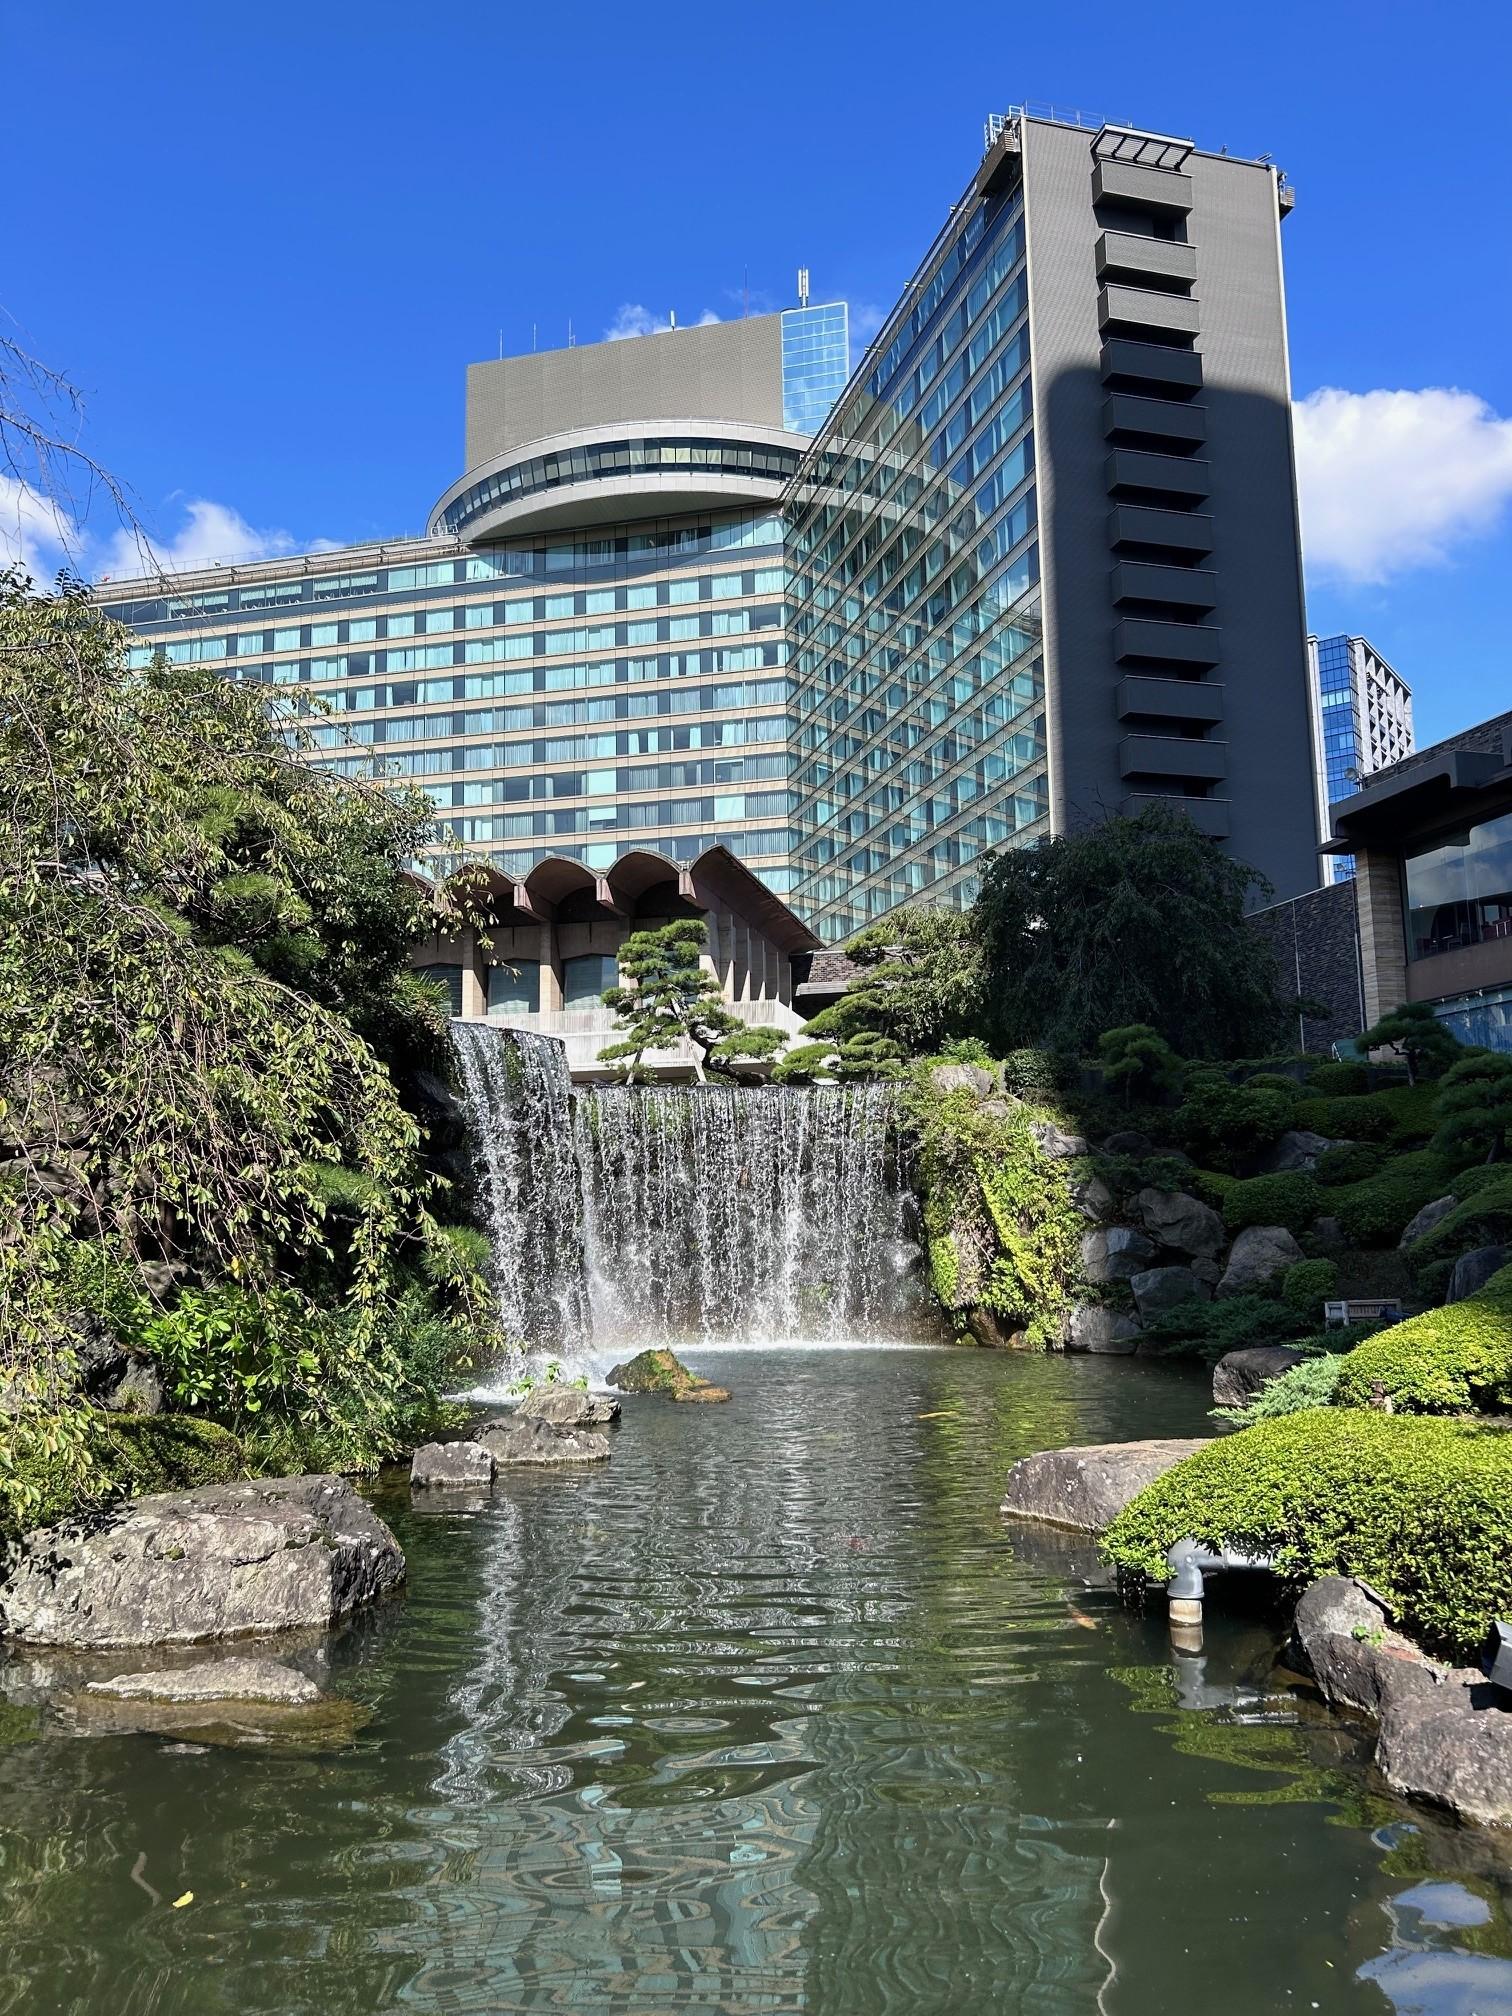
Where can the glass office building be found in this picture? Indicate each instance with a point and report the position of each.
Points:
(1362, 722)
(1035, 563)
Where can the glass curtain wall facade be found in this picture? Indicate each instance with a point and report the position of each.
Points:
(815, 363)
(918, 710)
(1362, 721)
(574, 697)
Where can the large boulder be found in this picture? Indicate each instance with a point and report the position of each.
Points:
(1183, 1223)
(1088, 1487)
(995, 1332)
(451, 1466)
(1114, 1253)
(1297, 1149)
(1093, 1327)
(974, 1078)
(1430, 1215)
(1442, 1733)
(214, 1680)
(1161, 1288)
(569, 1407)
(1055, 1142)
(664, 1373)
(176, 1568)
(1239, 1375)
(511, 1441)
(1093, 1199)
(1257, 1256)
(1473, 1270)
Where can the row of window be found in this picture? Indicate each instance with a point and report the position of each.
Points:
(602, 460)
(616, 817)
(724, 734)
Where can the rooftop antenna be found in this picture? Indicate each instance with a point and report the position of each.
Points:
(532, 336)
(671, 318)
(569, 332)
(803, 286)
(746, 292)
(501, 344)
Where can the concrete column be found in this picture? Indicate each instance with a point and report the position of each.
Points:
(747, 982)
(551, 979)
(474, 986)
(709, 957)
(1383, 934)
(727, 953)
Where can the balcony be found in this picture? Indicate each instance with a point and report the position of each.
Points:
(1143, 526)
(1148, 262)
(1157, 643)
(1141, 311)
(1141, 188)
(1141, 697)
(1193, 588)
(1208, 815)
(1173, 756)
(1175, 372)
(1162, 420)
(1163, 475)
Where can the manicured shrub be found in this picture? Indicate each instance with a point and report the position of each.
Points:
(1350, 1162)
(1306, 1286)
(1220, 1122)
(1273, 1081)
(1447, 1361)
(1346, 1119)
(1483, 1218)
(1422, 1510)
(1332, 1080)
(1378, 1211)
(1291, 1200)
(1310, 1384)
(1027, 1072)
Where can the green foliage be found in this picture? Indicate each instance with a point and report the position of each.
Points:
(119, 1455)
(1338, 1080)
(1310, 1384)
(1427, 1045)
(1483, 1217)
(1002, 1232)
(1422, 1510)
(1126, 921)
(1223, 1123)
(1290, 1199)
(1447, 1361)
(1274, 1081)
(1307, 1285)
(1140, 1061)
(1031, 1074)
(1378, 1210)
(1208, 1331)
(1350, 1162)
(675, 999)
(1367, 1119)
(1475, 1107)
(968, 1050)
(915, 992)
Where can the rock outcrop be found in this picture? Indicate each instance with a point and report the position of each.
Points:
(1115, 1253)
(1473, 1270)
(214, 1680)
(1093, 1327)
(1430, 1215)
(1443, 1733)
(1161, 1288)
(1297, 1149)
(1181, 1223)
(1087, 1488)
(663, 1373)
(1240, 1375)
(1056, 1142)
(216, 1562)
(569, 1407)
(451, 1466)
(511, 1441)
(1259, 1253)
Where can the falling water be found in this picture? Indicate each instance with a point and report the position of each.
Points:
(518, 1098)
(744, 1214)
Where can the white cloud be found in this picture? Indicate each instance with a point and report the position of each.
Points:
(1390, 481)
(866, 318)
(43, 537)
(635, 320)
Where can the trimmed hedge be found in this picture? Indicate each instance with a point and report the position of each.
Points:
(1448, 1361)
(1308, 1284)
(1403, 1115)
(1378, 1211)
(1351, 1162)
(1420, 1509)
(1290, 1199)
(1333, 1080)
(1481, 1218)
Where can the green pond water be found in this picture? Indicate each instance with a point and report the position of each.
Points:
(771, 1713)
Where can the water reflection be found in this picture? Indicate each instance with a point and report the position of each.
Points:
(770, 1714)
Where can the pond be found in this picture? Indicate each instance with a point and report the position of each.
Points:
(771, 1713)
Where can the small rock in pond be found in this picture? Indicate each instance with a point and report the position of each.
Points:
(569, 1407)
(661, 1372)
(511, 1441)
(214, 1680)
(451, 1466)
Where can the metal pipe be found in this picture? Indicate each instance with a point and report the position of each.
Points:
(1189, 1563)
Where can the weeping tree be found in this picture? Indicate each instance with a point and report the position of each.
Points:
(204, 979)
(673, 998)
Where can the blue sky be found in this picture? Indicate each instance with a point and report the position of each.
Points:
(266, 244)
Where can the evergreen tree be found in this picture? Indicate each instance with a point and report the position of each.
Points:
(916, 988)
(674, 999)
(1474, 1107)
(1428, 1045)
(1139, 1059)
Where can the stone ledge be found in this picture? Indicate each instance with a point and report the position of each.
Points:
(1087, 1488)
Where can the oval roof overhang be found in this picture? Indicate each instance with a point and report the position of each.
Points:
(610, 475)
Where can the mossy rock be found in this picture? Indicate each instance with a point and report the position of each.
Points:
(659, 1371)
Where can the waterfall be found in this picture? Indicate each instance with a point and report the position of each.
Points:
(518, 1098)
(744, 1214)
(737, 1214)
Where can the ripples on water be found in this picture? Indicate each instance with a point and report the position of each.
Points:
(770, 1714)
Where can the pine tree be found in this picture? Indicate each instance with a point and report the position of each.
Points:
(674, 999)
(1427, 1044)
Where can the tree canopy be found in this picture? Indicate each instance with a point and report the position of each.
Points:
(1130, 921)
(915, 989)
(1428, 1045)
(674, 998)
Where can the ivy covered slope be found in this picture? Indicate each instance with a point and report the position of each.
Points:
(206, 1018)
